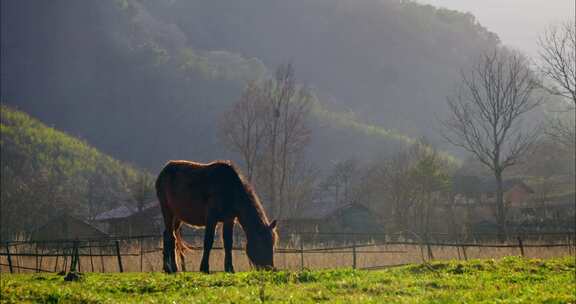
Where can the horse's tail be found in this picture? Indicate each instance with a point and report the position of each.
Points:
(181, 244)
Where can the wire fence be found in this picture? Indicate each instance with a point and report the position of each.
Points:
(299, 251)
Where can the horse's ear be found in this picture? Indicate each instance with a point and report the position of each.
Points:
(273, 224)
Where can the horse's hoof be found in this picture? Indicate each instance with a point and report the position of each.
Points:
(73, 276)
(169, 270)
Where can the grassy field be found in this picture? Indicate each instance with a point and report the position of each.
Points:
(507, 280)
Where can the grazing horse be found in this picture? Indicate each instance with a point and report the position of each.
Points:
(203, 195)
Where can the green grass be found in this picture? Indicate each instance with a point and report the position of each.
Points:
(510, 280)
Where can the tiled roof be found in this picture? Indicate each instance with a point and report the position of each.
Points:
(322, 210)
(124, 211)
(475, 184)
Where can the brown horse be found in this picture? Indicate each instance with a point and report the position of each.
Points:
(203, 195)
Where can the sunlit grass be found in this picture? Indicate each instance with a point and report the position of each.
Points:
(509, 280)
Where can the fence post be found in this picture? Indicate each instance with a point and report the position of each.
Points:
(9, 258)
(101, 256)
(90, 253)
(18, 269)
(430, 255)
(56, 262)
(354, 255)
(301, 254)
(37, 258)
(119, 256)
(521, 245)
(74, 257)
(78, 265)
(64, 257)
(141, 255)
(41, 259)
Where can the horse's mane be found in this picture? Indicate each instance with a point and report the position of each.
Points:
(236, 179)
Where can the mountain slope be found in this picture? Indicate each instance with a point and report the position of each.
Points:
(158, 74)
(391, 62)
(46, 172)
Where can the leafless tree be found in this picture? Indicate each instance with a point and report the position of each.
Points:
(398, 189)
(558, 59)
(141, 189)
(561, 124)
(485, 115)
(301, 184)
(243, 128)
(269, 128)
(558, 65)
(430, 179)
(288, 131)
(341, 185)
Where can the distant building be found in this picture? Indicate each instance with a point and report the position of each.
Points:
(129, 221)
(336, 220)
(482, 191)
(555, 214)
(475, 199)
(66, 227)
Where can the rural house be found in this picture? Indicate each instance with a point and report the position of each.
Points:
(475, 200)
(66, 227)
(482, 191)
(329, 218)
(129, 221)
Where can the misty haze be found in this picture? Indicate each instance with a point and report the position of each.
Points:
(293, 135)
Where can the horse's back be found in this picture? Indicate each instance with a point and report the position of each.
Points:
(187, 189)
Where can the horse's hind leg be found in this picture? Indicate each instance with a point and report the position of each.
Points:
(169, 252)
(169, 248)
(227, 233)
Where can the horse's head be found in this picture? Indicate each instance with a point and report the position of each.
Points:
(260, 247)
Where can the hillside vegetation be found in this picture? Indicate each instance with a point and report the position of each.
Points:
(510, 280)
(161, 73)
(46, 172)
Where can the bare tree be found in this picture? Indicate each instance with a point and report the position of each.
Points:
(301, 184)
(558, 59)
(288, 131)
(562, 129)
(398, 189)
(341, 185)
(430, 180)
(558, 65)
(243, 128)
(141, 189)
(485, 115)
(268, 127)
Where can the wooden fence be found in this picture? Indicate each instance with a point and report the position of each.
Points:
(65, 255)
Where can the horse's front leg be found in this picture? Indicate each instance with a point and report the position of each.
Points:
(227, 233)
(208, 241)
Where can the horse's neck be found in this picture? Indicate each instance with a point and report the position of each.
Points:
(250, 220)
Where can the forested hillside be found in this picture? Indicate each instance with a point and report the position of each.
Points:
(46, 172)
(389, 61)
(146, 81)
